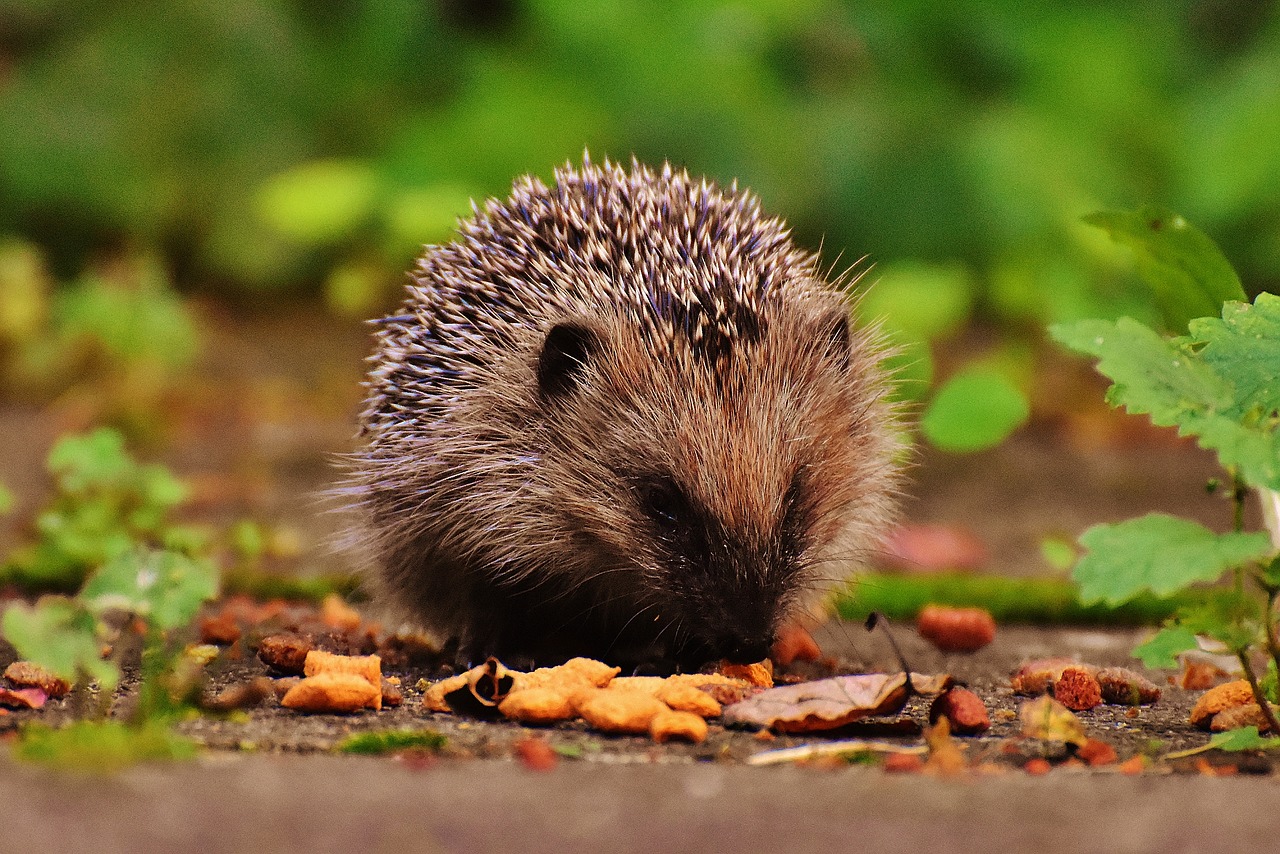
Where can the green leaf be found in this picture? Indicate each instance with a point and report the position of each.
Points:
(974, 410)
(1190, 276)
(7, 499)
(319, 202)
(1245, 738)
(1151, 375)
(1163, 648)
(1159, 553)
(60, 636)
(1216, 384)
(166, 588)
(1244, 348)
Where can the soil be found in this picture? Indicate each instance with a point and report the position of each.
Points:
(258, 435)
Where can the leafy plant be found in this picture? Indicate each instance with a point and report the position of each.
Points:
(144, 579)
(105, 504)
(1216, 382)
(118, 337)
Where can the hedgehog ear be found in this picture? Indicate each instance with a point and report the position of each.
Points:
(836, 337)
(566, 351)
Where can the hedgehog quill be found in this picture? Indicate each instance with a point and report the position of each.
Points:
(621, 416)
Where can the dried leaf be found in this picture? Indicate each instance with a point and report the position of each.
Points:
(1048, 720)
(823, 704)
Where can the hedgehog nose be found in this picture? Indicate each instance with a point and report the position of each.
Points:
(740, 650)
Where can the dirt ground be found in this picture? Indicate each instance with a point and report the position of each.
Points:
(268, 783)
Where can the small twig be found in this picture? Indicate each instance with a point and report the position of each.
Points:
(1267, 712)
(850, 747)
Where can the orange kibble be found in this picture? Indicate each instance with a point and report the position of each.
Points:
(335, 612)
(1077, 689)
(759, 674)
(671, 724)
(333, 692)
(903, 763)
(1037, 767)
(620, 711)
(956, 629)
(536, 706)
(794, 643)
(686, 698)
(1095, 752)
(1217, 699)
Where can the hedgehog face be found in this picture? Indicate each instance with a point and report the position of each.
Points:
(724, 490)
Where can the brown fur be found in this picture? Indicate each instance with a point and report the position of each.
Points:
(625, 417)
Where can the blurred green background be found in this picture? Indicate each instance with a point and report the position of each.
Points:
(254, 148)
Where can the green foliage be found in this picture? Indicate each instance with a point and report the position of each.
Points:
(105, 504)
(1163, 648)
(1217, 383)
(1245, 738)
(61, 636)
(109, 520)
(1188, 274)
(100, 746)
(7, 499)
(118, 338)
(162, 587)
(974, 410)
(390, 741)
(1159, 553)
(966, 134)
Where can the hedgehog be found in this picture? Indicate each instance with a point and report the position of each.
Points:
(622, 416)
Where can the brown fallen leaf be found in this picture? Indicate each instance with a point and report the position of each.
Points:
(946, 757)
(1048, 720)
(823, 704)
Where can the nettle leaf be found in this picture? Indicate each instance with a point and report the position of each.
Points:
(1152, 375)
(60, 636)
(1244, 347)
(165, 588)
(1159, 553)
(1163, 648)
(1190, 276)
(1217, 384)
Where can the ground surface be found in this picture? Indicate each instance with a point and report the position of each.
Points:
(262, 446)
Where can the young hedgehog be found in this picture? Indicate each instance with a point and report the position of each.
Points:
(625, 417)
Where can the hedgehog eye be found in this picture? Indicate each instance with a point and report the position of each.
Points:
(665, 504)
(565, 353)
